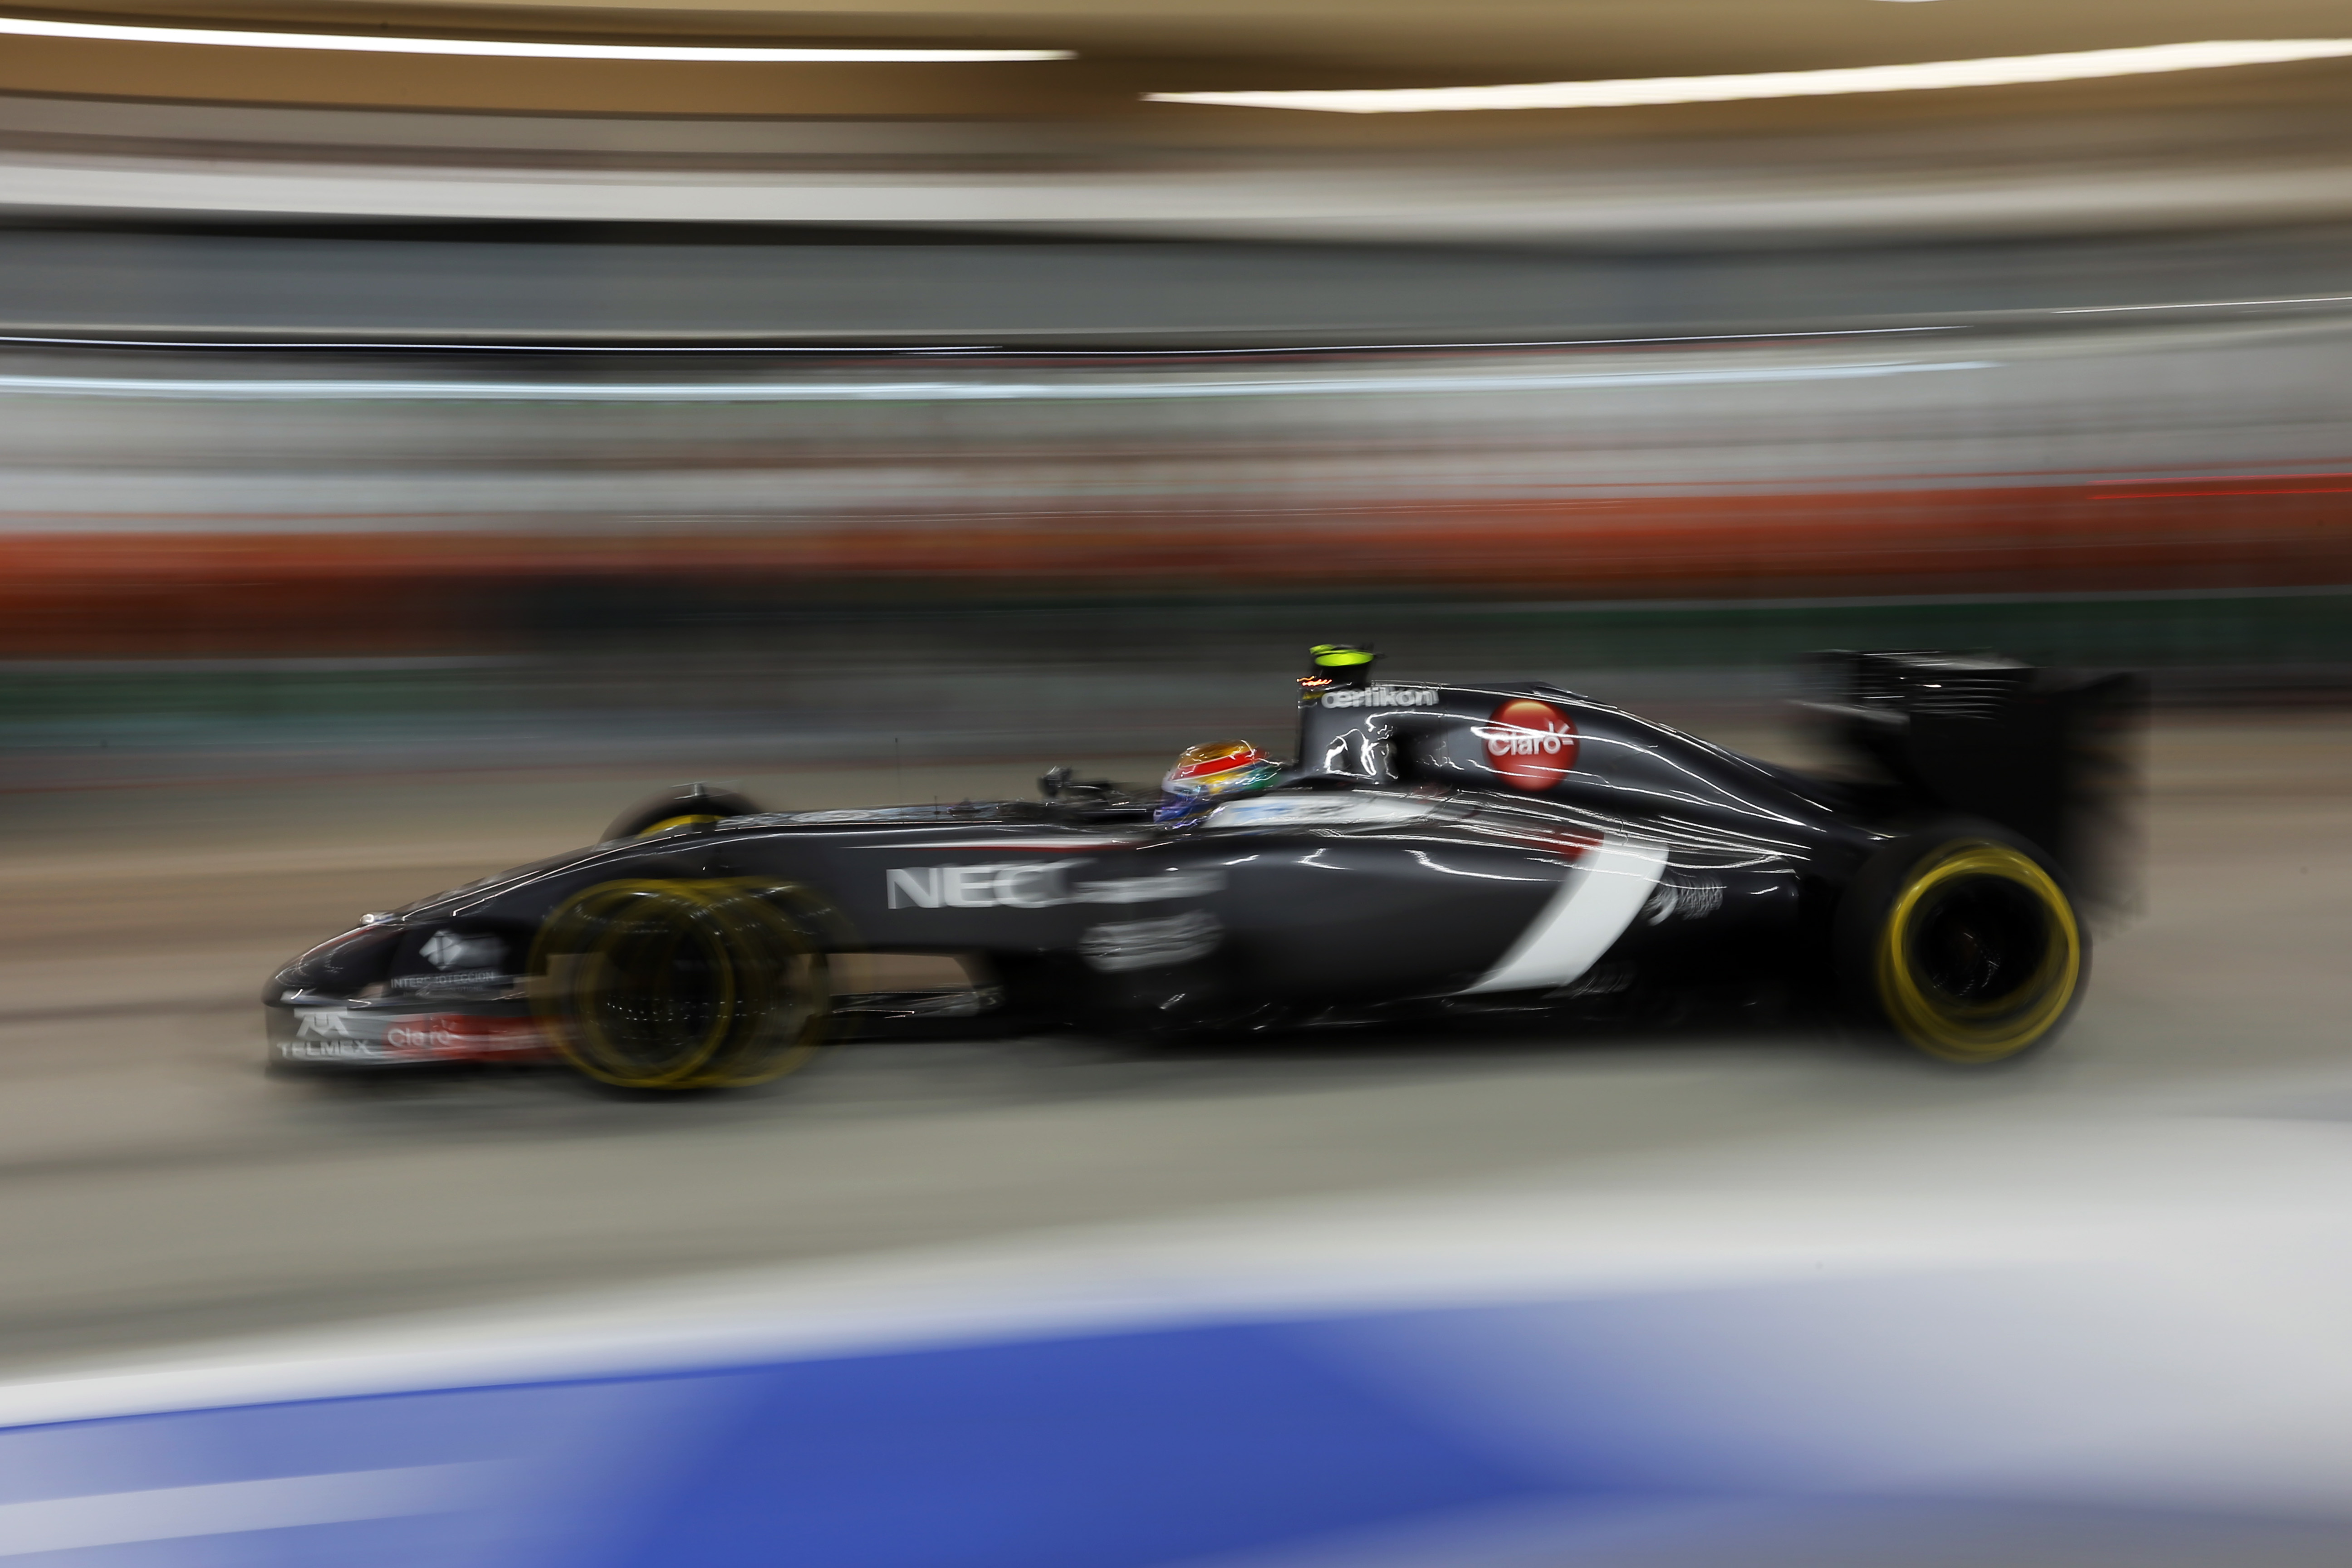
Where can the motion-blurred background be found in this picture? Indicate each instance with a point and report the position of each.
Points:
(500, 410)
(410, 453)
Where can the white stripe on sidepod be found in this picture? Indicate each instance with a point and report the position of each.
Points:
(1602, 894)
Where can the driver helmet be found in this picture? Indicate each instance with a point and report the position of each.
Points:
(1205, 773)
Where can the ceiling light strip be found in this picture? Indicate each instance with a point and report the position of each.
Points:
(355, 43)
(2010, 70)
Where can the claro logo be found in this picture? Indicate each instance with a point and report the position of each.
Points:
(1532, 744)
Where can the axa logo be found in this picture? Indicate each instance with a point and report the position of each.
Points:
(1532, 744)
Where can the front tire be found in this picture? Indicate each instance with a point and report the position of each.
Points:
(678, 985)
(1963, 942)
(688, 805)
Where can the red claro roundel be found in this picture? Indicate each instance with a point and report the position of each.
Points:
(1532, 744)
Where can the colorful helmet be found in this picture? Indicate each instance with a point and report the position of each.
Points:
(1218, 768)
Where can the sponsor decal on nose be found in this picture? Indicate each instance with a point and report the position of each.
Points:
(454, 950)
(457, 1037)
(1532, 744)
(335, 1034)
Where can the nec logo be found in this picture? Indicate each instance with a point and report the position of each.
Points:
(1019, 885)
(1028, 885)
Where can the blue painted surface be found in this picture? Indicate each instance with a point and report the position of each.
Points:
(1116, 1452)
(1109, 1451)
(1694, 1427)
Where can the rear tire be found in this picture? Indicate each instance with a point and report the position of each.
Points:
(676, 985)
(688, 805)
(1963, 942)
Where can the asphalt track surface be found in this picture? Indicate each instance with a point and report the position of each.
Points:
(155, 1188)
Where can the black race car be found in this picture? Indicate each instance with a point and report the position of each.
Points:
(1435, 851)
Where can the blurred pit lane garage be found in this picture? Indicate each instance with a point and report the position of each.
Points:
(425, 427)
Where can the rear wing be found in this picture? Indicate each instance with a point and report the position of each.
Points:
(2049, 755)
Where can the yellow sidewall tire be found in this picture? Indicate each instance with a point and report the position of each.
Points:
(1976, 1033)
(605, 960)
(664, 826)
(689, 805)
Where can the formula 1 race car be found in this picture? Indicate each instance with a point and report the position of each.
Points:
(1433, 850)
